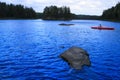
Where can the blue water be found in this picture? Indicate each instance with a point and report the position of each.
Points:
(30, 49)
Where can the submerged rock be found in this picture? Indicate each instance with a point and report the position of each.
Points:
(63, 24)
(62, 46)
(76, 57)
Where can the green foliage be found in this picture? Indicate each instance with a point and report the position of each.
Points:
(112, 13)
(16, 11)
(53, 12)
(91, 17)
(39, 15)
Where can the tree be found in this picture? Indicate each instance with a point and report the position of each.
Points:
(2, 9)
(54, 12)
(16, 11)
(112, 13)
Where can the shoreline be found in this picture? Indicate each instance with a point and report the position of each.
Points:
(111, 20)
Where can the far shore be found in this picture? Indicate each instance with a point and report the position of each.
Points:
(112, 20)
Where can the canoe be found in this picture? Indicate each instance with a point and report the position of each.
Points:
(102, 28)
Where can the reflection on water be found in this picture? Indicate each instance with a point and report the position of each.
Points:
(30, 49)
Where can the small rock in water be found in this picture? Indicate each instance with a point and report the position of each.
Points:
(64, 24)
(76, 57)
(62, 47)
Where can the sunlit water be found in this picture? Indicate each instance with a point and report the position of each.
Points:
(30, 49)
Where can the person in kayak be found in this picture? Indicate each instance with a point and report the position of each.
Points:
(100, 26)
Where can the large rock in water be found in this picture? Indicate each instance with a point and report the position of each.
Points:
(76, 57)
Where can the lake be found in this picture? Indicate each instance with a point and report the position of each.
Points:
(30, 49)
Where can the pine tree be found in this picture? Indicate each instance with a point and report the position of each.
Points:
(54, 12)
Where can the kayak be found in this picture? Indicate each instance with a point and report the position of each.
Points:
(102, 28)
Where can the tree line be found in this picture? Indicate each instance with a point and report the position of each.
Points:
(16, 11)
(54, 12)
(11, 11)
(112, 13)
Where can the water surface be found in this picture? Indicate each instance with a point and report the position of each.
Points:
(30, 49)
